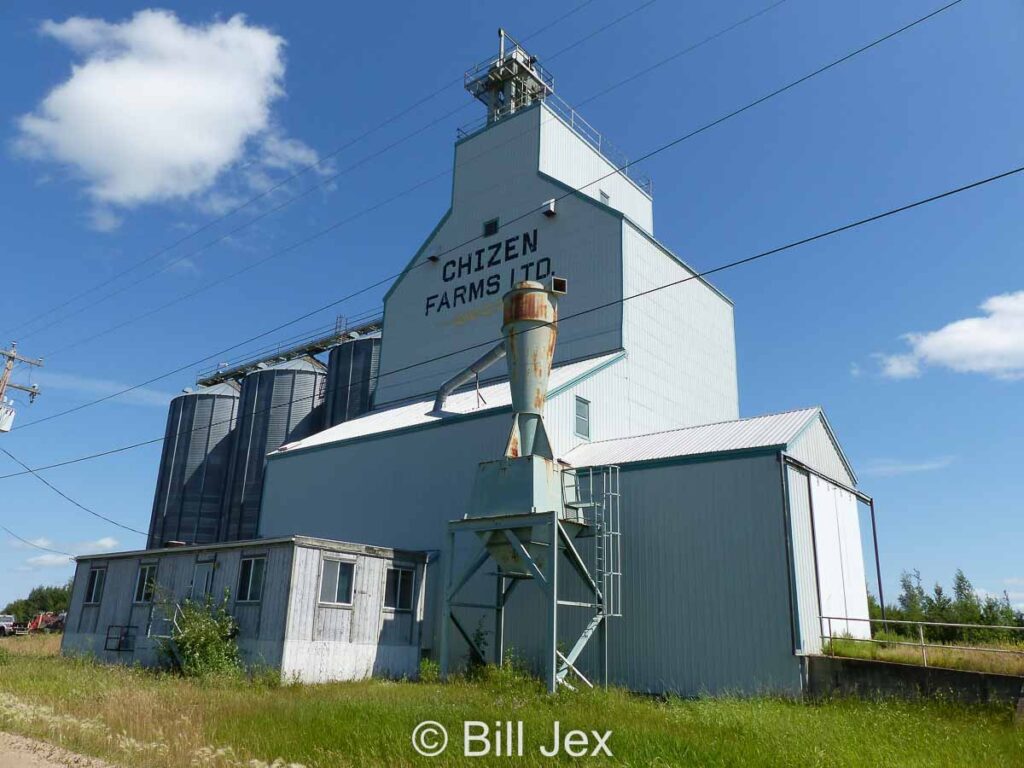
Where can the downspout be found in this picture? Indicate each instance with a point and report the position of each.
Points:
(471, 371)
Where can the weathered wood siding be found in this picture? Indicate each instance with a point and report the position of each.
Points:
(343, 642)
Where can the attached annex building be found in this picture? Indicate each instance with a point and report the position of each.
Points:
(737, 534)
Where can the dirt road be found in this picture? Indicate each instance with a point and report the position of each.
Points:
(19, 752)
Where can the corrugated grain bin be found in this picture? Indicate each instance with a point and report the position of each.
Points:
(193, 472)
(279, 404)
(351, 379)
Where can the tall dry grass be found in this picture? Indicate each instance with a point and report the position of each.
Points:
(948, 657)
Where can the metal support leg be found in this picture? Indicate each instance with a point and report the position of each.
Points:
(602, 649)
(878, 563)
(499, 621)
(551, 660)
(446, 612)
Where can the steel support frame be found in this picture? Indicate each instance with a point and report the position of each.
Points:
(557, 665)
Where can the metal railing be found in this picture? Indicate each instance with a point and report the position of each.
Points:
(580, 127)
(922, 643)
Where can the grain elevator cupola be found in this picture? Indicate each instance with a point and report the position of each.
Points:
(512, 81)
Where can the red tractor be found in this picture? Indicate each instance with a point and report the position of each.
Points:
(47, 622)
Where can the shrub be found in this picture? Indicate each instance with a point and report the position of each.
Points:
(202, 642)
(430, 671)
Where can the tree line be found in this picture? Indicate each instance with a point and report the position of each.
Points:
(40, 600)
(963, 606)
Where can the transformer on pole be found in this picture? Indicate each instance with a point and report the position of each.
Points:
(10, 357)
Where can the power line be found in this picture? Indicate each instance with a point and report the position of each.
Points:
(349, 219)
(12, 534)
(302, 170)
(696, 276)
(63, 495)
(505, 223)
(359, 214)
(321, 183)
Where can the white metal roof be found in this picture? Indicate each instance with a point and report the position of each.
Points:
(492, 396)
(775, 430)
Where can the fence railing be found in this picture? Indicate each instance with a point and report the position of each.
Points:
(918, 630)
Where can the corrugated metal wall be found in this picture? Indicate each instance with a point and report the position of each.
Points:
(497, 176)
(278, 405)
(680, 340)
(706, 588)
(193, 473)
(805, 576)
(352, 371)
(576, 163)
(816, 449)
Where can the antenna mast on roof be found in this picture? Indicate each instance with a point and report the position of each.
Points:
(510, 82)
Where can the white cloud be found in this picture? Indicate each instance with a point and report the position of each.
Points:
(895, 467)
(49, 560)
(105, 544)
(104, 220)
(39, 541)
(56, 560)
(991, 344)
(88, 386)
(158, 110)
(899, 366)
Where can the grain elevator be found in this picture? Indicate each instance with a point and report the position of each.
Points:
(598, 506)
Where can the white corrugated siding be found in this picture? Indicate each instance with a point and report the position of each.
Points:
(815, 448)
(497, 175)
(804, 566)
(681, 341)
(576, 163)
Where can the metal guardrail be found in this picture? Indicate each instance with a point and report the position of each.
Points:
(921, 642)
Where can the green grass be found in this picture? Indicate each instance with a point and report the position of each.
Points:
(948, 657)
(140, 718)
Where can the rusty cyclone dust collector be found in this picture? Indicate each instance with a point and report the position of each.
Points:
(527, 479)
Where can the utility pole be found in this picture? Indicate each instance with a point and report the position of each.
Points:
(10, 357)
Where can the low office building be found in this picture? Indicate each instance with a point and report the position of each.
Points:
(317, 610)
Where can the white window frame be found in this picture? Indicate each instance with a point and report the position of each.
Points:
(396, 608)
(351, 586)
(145, 584)
(248, 587)
(90, 586)
(576, 418)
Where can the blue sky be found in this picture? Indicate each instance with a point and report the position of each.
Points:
(930, 420)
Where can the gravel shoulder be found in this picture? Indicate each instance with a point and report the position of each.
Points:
(20, 752)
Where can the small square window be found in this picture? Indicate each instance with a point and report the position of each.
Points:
(491, 227)
(145, 584)
(336, 582)
(582, 418)
(250, 579)
(604, 196)
(398, 589)
(94, 589)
